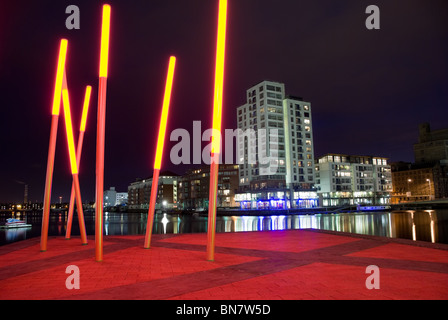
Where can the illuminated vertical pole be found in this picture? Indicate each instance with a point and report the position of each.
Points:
(159, 150)
(73, 162)
(216, 136)
(101, 128)
(82, 129)
(52, 144)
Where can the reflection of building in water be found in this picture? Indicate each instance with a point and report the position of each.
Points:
(415, 225)
(347, 180)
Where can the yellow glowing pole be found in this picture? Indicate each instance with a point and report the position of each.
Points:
(159, 150)
(52, 144)
(82, 129)
(101, 127)
(216, 136)
(73, 162)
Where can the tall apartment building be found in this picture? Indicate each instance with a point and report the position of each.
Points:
(280, 156)
(347, 179)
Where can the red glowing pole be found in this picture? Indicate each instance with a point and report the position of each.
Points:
(52, 144)
(159, 150)
(70, 210)
(101, 128)
(152, 205)
(73, 162)
(216, 137)
(82, 130)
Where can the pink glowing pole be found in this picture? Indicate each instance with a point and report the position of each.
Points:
(52, 145)
(82, 130)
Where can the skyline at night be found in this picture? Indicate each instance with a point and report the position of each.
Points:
(370, 89)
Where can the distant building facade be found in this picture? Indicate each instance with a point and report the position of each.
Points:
(113, 198)
(122, 199)
(419, 182)
(432, 146)
(427, 178)
(194, 186)
(139, 192)
(349, 180)
(110, 197)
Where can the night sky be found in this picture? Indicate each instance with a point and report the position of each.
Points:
(369, 89)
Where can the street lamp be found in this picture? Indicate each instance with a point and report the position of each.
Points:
(408, 194)
(429, 184)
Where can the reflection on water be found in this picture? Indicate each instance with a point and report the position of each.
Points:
(425, 225)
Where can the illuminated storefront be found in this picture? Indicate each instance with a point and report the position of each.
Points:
(277, 200)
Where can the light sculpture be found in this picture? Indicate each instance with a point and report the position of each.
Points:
(159, 150)
(216, 136)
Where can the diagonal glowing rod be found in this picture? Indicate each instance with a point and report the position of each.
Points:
(85, 109)
(216, 137)
(101, 126)
(69, 130)
(59, 77)
(165, 109)
(82, 130)
(159, 151)
(52, 145)
(73, 163)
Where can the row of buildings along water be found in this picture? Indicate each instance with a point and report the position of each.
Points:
(278, 169)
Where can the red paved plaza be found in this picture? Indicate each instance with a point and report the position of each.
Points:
(272, 265)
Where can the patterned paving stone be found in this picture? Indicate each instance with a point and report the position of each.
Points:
(274, 265)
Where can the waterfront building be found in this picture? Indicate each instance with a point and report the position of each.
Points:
(139, 192)
(110, 197)
(114, 198)
(193, 187)
(350, 180)
(427, 178)
(283, 135)
(122, 198)
(419, 182)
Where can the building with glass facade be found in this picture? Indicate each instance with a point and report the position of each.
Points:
(275, 149)
(353, 180)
